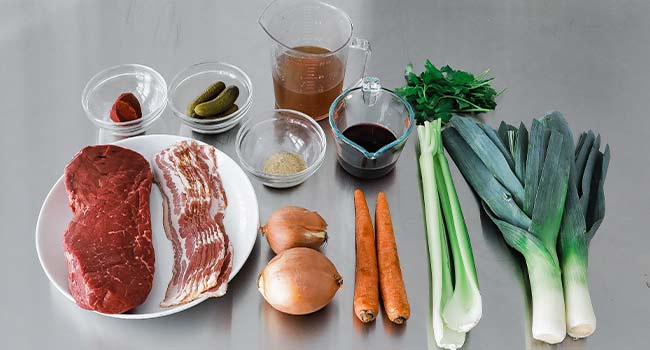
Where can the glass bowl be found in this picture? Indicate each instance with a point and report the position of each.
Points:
(280, 130)
(102, 90)
(193, 80)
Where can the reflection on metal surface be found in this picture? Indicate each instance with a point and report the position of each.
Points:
(391, 329)
(294, 329)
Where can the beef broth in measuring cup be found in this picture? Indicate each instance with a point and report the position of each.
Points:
(370, 125)
(308, 80)
(310, 41)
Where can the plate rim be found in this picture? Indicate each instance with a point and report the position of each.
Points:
(169, 311)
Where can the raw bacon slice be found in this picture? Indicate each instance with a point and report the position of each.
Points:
(194, 203)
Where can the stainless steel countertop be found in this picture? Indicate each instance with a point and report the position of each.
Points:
(588, 59)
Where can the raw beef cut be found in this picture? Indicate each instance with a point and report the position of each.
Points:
(194, 203)
(108, 244)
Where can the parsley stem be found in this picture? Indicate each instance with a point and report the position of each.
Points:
(484, 82)
(461, 99)
(481, 110)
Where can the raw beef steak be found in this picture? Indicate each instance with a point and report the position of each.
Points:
(108, 244)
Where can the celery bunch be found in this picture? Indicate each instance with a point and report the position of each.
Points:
(455, 303)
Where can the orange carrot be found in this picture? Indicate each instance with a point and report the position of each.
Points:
(391, 283)
(366, 290)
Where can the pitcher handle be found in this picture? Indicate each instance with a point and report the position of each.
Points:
(362, 45)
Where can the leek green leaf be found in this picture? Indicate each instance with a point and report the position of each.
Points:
(496, 197)
(587, 173)
(499, 143)
(504, 129)
(582, 154)
(534, 163)
(520, 152)
(551, 192)
(596, 210)
(487, 152)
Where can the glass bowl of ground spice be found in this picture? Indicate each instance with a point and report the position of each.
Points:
(281, 148)
(146, 93)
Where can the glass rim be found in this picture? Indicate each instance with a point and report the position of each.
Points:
(307, 54)
(98, 79)
(180, 78)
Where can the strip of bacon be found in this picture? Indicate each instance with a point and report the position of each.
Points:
(194, 204)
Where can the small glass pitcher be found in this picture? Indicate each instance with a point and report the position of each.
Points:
(370, 126)
(310, 41)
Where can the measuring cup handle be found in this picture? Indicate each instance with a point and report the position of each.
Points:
(363, 45)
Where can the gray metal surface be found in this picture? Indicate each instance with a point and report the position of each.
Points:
(588, 59)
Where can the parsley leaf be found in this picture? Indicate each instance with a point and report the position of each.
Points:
(438, 93)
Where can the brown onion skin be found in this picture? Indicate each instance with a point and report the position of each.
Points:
(291, 227)
(299, 281)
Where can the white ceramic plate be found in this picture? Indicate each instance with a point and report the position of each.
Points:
(241, 224)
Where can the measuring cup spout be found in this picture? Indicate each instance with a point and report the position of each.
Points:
(273, 9)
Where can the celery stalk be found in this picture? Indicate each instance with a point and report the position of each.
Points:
(464, 309)
(438, 257)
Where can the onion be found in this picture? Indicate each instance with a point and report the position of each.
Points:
(299, 281)
(291, 227)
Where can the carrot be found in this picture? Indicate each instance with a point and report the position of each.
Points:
(391, 283)
(366, 290)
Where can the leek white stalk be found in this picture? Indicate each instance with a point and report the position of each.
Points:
(580, 316)
(548, 320)
(548, 300)
(439, 261)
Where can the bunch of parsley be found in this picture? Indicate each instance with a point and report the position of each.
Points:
(438, 93)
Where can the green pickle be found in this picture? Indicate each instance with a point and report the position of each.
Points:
(208, 94)
(234, 108)
(219, 104)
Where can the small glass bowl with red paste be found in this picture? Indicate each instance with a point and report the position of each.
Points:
(103, 89)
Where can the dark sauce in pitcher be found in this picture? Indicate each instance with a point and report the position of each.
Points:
(371, 137)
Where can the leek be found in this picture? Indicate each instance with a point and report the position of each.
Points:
(439, 262)
(542, 192)
(537, 181)
(584, 212)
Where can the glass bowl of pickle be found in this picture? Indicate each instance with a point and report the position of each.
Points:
(281, 148)
(210, 97)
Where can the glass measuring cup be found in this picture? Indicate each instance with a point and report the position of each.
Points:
(310, 41)
(370, 126)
